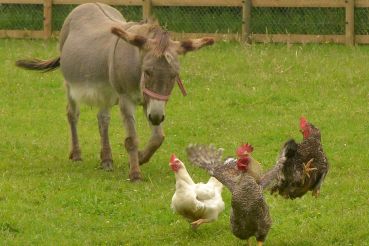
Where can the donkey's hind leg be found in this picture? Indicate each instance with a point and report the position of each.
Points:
(73, 115)
(103, 118)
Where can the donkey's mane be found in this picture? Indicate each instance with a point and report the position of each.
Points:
(151, 29)
(161, 37)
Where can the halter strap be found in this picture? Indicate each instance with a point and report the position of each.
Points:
(157, 96)
(181, 86)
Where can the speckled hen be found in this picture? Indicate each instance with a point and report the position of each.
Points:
(250, 214)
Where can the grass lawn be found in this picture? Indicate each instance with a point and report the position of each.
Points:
(237, 94)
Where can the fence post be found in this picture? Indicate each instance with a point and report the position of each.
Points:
(246, 17)
(47, 18)
(350, 22)
(146, 9)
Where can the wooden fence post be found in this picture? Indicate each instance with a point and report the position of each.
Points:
(350, 22)
(246, 18)
(146, 9)
(47, 18)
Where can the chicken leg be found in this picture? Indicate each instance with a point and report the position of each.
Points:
(316, 190)
(308, 168)
(316, 193)
(259, 243)
(198, 222)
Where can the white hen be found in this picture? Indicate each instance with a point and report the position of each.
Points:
(198, 203)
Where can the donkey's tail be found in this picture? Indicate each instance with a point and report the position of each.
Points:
(36, 64)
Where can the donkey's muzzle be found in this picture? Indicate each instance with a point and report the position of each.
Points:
(156, 119)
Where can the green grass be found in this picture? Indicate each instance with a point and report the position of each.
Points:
(237, 94)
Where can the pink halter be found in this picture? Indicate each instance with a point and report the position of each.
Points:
(157, 96)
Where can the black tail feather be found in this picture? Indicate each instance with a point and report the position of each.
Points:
(269, 178)
(290, 148)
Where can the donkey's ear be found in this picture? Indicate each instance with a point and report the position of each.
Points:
(193, 44)
(133, 39)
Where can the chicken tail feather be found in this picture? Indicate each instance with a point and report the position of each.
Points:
(272, 176)
(206, 157)
(290, 148)
(215, 183)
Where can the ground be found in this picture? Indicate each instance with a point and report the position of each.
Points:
(236, 93)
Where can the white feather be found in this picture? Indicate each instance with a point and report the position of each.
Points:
(197, 201)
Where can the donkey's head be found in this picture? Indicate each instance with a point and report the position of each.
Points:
(160, 65)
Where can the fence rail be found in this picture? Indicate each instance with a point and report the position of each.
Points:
(246, 8)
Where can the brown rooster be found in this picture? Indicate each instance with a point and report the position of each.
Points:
(301, 166)
(250, 213)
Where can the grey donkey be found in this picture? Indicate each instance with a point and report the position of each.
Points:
(107, 61)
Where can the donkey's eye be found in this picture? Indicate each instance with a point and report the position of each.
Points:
(148, 73)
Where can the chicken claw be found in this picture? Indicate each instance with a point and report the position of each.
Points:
(259, 243)
(308, 168)
(198, 222)
(316, 193)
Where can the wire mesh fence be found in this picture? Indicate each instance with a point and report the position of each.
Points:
(189, 19)
(200, 19)
(362, 21)
(21, 16)
(60, 12)
(319, 21)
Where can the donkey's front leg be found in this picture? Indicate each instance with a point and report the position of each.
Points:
(127, 109)
(157, 138)
(103, 118)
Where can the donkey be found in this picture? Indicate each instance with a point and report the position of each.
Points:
(107, 61)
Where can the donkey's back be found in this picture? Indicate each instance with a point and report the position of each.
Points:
(86, 50)
(89, 21)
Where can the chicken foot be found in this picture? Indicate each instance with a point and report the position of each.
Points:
(259, 243)
(198, 222)
(316, 193)
(308, 168)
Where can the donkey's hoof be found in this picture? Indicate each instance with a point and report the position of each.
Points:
(75, 156)
(135, 176)
(107, 165)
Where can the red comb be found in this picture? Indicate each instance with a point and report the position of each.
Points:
(173, 157)
(303, 122)
(244, 148)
